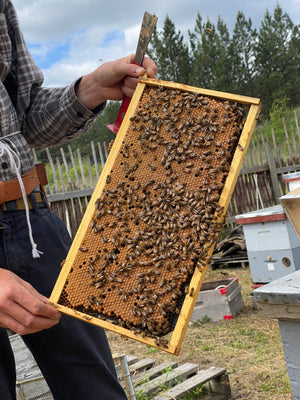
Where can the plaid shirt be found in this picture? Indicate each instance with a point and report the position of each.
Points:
(42, 116)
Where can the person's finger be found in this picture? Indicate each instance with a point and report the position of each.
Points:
(35, 304)
(150, 67)
(24, 326)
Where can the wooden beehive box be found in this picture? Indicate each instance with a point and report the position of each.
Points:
(140, 254)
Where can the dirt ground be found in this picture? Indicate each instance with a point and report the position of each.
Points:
(248, 346)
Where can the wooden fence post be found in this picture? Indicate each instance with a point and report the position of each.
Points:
(81, 168)
(273, 172)
(52, 169)
(66, 167)
(74, 166)
(101, 154)
(95, 159)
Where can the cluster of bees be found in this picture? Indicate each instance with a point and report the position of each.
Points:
(158, 214)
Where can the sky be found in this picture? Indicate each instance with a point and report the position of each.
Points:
(70, 38)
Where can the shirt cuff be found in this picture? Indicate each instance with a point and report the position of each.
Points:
(77, 111)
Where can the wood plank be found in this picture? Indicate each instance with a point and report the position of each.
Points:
(297, 123)
(69, 195)
(60, 174)
(278, 311)
(208, 92)
(90, 171)
(142, 365)
(105, 150)
(74, 166)
(183, 388)
(81, 168)
(95, 159)
(66, 166)
(101, 154)
(154, 372)
(131, 359)
(167, 379)
(273, 173)
(52, 169)
(258, 147)
(287, 139)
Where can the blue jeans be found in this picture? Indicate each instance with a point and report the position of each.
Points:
(73, 356)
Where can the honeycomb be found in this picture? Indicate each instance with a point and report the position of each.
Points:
(158, 213)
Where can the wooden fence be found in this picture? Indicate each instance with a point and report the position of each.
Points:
(260, 183)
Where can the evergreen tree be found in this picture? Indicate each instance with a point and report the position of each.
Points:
(211, 56)
(223, 78)
(170, 53)
(274, 58)
(242, 50)
(203, 53)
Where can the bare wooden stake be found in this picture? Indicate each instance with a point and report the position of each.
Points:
(287, 139)
(297, 123)
(74, 166)
(52, 169)
(95, 158)
(60, 174)
(66, 166)
(90, 171)
(81, 168)
(294, 141)
(273, 172)
(101, 154)
(105, 150)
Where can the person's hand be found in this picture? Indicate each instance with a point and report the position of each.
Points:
(22, 308)
(112, 81)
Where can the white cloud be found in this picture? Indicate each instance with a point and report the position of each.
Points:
(90, 30)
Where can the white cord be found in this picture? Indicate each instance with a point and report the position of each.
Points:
(15, 163)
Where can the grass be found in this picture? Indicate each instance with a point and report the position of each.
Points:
(248, 346)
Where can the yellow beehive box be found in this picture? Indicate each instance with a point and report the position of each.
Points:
(140, 254)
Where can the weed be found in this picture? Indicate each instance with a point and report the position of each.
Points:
(151, 350)
(204, 320)
(141, 396)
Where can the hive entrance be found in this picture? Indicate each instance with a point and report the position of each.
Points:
(155, 219)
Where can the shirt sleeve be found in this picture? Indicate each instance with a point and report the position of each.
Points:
(56, 116)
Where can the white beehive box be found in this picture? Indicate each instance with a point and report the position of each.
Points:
(280, 299)
(273, 247)
(218, 300)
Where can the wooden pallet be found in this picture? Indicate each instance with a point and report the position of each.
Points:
(168, 380)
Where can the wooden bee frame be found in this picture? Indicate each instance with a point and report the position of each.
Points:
(140, 255)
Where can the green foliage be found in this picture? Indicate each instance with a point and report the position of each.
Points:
(151, 349)
(202, 321)
(195, 394)
(140, 396)
(170, 53)
(278, 110)
(98, 133)
(263, 63)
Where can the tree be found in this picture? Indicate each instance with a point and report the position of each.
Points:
(242, 48)
(203, 53)
(211, 57)
(274, 57)
(171, 54)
